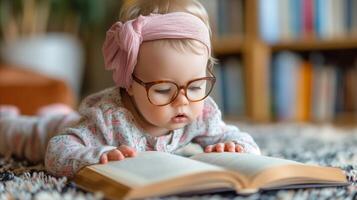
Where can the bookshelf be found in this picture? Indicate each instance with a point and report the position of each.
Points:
(227, 45)
(311, 45)
(257, 56)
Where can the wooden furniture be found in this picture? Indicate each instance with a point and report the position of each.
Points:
(257, 55)
(29, 90)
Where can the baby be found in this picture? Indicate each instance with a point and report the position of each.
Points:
(160, 55)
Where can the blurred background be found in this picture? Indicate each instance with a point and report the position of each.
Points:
(280, 60)
(56, 39)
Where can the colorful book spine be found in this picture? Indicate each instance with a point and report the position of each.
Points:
(295, 19)
(269, 20)
(286, 66)
(325, 19)
(217, 91)
(307, 18)
(304, 92)
(234, 87)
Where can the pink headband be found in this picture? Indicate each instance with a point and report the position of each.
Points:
(122, 43)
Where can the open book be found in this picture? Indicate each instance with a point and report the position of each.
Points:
(152, 173)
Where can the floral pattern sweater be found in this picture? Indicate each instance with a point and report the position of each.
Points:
(106, 124)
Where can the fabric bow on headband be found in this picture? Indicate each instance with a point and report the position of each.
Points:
(122, 43)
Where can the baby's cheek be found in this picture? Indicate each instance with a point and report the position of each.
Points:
(197, 109)
(160, 114)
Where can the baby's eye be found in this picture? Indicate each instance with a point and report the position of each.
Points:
(163, 91)
(195, 88)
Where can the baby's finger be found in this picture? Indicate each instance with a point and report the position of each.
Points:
(209, 149)
(239, 148)
(115, 154)
(229, 146)
(127, 151)
(219, 147)
(103, 158)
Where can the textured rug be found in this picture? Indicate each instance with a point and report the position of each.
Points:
(323, 145)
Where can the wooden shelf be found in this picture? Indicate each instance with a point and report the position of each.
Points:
(228, 45)
(314, 44)
(257, 56)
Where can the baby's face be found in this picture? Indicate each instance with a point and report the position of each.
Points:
(160, 61)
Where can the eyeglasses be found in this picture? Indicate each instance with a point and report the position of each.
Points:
(161, 93)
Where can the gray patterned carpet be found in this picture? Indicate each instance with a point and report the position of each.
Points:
(321, 145)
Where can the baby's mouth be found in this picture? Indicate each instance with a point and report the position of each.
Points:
(180, 118)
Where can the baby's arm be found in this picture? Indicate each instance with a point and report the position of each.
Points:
(218, 136)
(90, 142)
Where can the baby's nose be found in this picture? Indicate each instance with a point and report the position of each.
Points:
(181, 98)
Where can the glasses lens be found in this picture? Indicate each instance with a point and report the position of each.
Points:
(162, 93)
(200, 89)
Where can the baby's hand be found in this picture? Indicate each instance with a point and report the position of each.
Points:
(120, 153)
(221, 147)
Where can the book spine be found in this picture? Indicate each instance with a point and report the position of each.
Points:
(331, 93)
(236, 16)
(327, 29)
(269, 20)
(354, 18)
(234, 87)
(339, 14)
(286, 64)
(224, 89)
(355, 89)
(295, 12)
(340, 94)
(307, 18)
(319, 19)
(284, 20)
(348, 10)
(304, 92)
(222, 17)
(217, 91)
(317, 92)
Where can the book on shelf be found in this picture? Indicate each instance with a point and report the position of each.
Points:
(325, 90)
(233, 89)
(285, 69)
(269, 20)
(349, 89)
(353, 16)
(307, 18)
(282, 20)
(226, 16)
(285, 20)
(313, 89)
(153, 174)
(228, 91)
(217, 91)
(304, 91)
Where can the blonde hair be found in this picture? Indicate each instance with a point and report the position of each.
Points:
(133, 8)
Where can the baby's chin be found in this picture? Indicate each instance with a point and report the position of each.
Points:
(172, 126)
(175, 126)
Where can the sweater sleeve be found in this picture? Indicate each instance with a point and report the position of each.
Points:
(216, 131)
(79, 146)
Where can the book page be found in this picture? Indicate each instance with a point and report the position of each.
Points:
(151, 167)
(246, 164)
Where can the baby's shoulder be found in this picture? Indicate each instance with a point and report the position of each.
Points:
(210, 103)
(210, 109)
(104, 101)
